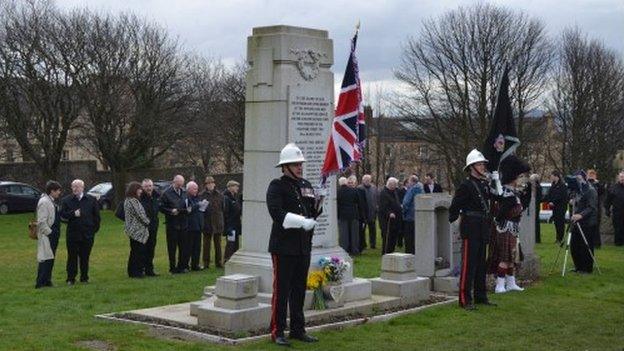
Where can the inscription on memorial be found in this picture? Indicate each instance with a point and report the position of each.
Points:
(310, 122)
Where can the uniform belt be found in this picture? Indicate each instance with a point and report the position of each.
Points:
(477, 214)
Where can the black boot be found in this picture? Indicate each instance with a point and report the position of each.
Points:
(281, 341)
(304, 337)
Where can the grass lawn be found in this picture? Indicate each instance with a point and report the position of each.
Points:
(571, 313)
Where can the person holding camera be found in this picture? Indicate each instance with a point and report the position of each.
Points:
(584, 221)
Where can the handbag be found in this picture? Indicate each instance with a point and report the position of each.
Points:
(32, 229)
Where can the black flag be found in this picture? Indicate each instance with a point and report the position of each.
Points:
(502, 140)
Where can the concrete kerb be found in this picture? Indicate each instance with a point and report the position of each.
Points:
(195, 335)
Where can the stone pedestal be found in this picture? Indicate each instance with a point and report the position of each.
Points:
(236, 307)
(399, 279)
(289, 98)
(530, 267)
(435, 242)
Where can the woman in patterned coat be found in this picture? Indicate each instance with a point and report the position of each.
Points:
(136, 227)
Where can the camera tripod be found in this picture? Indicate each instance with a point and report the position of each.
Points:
(566, 244)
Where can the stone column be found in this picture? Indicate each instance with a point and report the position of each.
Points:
(530, 267)
(434, 240)
(289, 98)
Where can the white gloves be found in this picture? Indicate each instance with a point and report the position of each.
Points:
(297, 221)
(496, 179)
(293, 221)
(309, 224)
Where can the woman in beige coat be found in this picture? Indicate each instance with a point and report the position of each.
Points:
(48, 232)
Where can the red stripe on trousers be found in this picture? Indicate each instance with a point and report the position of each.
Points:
(462, 279)
(274, 300)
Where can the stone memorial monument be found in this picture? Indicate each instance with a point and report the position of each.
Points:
(236, 306)
(399, 278)
(530, 267)
(434, 241)
(289, 98)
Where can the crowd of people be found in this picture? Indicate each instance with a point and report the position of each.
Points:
(361, 207)
(190, 216)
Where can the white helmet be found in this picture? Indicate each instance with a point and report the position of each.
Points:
(475, 156)
(290, 154)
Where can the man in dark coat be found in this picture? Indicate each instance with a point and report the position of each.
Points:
(362, 212)
(592, 178)
(390, 215)
(372, 204)
(174, 204)
(150, 199)
(557, 198)
(232, 217)
(585, 203)
(293, 206)
(213, 222)
(472, 202)
(401, 191)
(614, 207)
(82, 213)
(196, 209)
(431, 186)
(348, 225)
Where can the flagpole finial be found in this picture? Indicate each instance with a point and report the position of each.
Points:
(357, 26)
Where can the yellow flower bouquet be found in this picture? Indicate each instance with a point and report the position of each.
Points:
(316, 280)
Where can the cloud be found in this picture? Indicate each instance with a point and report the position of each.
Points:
(220, 28)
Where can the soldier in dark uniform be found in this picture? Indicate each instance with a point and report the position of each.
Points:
(472, 202)
(293, 207)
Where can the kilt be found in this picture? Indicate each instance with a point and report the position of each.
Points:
(504, 247)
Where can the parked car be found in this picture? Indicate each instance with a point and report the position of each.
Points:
(545, 214)
(161, 185)
(17, 197)
(103, 193)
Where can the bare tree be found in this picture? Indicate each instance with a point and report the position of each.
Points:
(137, 93)
(233, 110)
(214, 137)
(588, 103)
(200, 139)
(40, 59)
(452, 70)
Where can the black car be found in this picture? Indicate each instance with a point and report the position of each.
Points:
(18, 197)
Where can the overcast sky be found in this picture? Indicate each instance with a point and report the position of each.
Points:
(219, 28)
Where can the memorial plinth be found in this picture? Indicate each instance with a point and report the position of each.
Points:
(434, 241)
(289, 98)
(235, 308)
(530, 267)
(399, 279)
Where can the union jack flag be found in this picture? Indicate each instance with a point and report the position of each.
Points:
(348, 134)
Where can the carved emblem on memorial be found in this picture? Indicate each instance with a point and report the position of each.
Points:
(308, 62)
